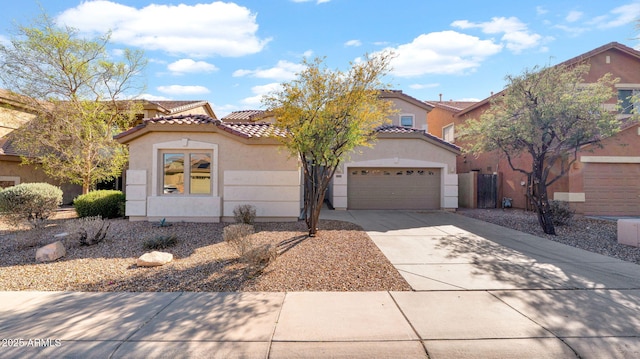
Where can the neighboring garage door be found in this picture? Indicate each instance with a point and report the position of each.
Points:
(393, 188)
(612, 189)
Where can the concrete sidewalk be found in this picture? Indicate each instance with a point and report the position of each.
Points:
(480, 291)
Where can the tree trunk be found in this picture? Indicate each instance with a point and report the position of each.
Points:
(316, 182)
(543, 209)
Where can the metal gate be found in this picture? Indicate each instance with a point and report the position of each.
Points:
(487, 190)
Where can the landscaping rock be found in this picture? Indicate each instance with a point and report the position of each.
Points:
(51, 252)
(154, 259)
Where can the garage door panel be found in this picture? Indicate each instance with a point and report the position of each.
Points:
(612, 189)
(394, 188)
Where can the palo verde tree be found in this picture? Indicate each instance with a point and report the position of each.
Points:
(326, 114)
(547, 115)
(76, 91)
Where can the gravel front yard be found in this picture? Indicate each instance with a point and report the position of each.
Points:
(341, 258)
(594, 235)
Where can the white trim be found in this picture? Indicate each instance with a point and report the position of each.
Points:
(610, 159)
(569, 196)
(453, 134)
(413, 120)
(627, 86)
(184, 145)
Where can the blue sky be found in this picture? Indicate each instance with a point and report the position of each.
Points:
(230, 53)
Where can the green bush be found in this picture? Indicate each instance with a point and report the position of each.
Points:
(33, 202)
(103, 203)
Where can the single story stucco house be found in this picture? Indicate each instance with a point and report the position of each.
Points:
(197, 168)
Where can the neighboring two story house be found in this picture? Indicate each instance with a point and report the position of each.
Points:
(604, 181)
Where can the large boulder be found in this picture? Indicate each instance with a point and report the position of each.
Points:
(51, 252)
(154, 259)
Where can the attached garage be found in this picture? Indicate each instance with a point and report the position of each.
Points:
(612, 189)
(394, 188)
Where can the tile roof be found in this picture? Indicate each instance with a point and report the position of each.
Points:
(453, 106)
(406, 130)
(253, 130)
(179, 106)
(6, 148)
(401, 95)
(263, 130)
(244, 115)
(244, 130)
(182, 120)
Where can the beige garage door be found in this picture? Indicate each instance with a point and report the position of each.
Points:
(612, 189)
(393, 188)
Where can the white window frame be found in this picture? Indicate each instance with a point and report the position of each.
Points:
(635, 91)
(453, 134)
(187, 147)
(413, 120)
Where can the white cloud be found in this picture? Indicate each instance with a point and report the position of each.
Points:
(150, 97)
(446, 52)
(183, 66)
(199, 30)
(283, 71)
(572, 30)
(423, 86)
(573, 16)
(353, 43)
(620, 16)
(259, 92)
(183, 90)
(540, 10)
(516, 34)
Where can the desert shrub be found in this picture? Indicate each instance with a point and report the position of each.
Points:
(239, 237)
(244, 213)
(88, 230)
(33, 202)
(242, 239)
(161, 242)
(561, 213)
(261, 255)
(103, 203)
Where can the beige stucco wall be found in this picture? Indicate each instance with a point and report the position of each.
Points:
(406, 108)
(13, 170)
(401, 152)
(246, 172)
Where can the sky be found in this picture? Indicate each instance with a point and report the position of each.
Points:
(230, 53)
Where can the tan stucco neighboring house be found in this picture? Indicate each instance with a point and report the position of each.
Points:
(160, 108)
(14, 113)
(197, 168)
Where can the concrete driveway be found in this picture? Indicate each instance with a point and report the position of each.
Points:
(476, 280)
